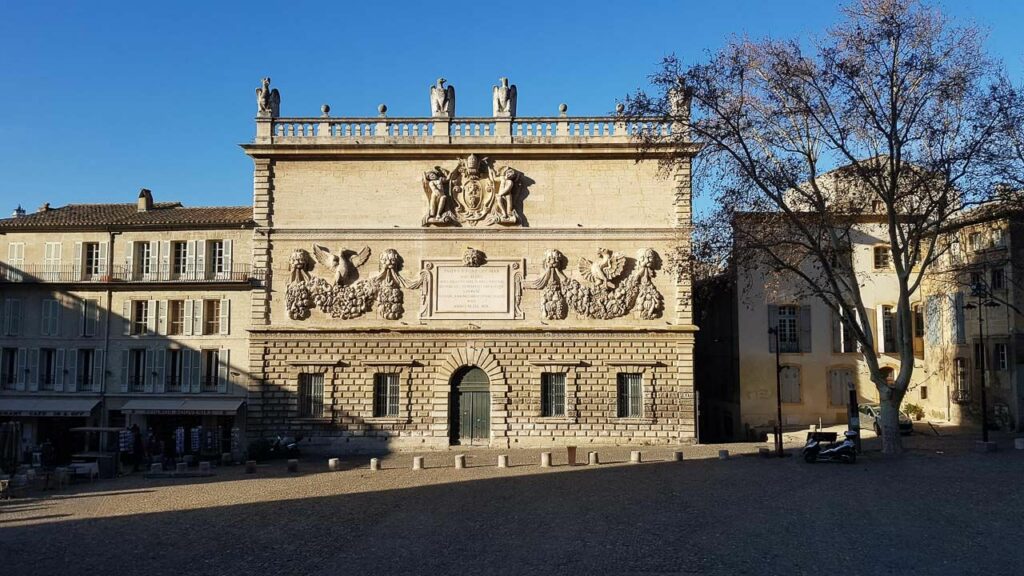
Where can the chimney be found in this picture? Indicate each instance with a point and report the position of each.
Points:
(145, 200)
(44, 208)
(18, 212)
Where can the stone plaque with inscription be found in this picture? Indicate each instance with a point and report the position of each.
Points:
(489, 292)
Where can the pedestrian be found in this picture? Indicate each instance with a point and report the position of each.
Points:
(138, 449)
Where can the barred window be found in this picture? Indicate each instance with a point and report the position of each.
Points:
(385, 394)
(311, 395)
(552, 394)
(882, 260)
(630, 400)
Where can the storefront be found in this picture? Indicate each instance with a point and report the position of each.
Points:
(204, 427)
(49, 420)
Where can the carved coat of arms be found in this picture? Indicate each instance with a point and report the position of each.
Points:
(474, 191)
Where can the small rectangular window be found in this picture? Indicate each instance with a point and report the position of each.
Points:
(140, 316)
(136, 369)
(998, 238)
(143, 261)
(998, 280)
(889, 328)
(918, 322)
(882, 260)
(215, 256)
(552, 394)
(179, 263)
(8, 368)
(974, 240)
(47, 368)
(630, 402)
(211, 317)
(924, 392)
(175, 369)
(211, 364)
(91, 259)
(961, 382)
(385, 394)
(311, 395)
(1002, 354)
(175, 317)
(789, 329)
(86, 361)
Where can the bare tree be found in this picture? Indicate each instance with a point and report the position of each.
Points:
(894, 119)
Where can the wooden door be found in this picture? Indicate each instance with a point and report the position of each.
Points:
(471, 409)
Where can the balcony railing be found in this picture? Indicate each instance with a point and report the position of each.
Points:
(961, 396)
(124, 274)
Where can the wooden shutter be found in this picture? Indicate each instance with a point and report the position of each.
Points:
(77, 259)
(151, 315)
(190, 310)
(200, 260)
(129, 260)
(21, 376)
(55, 318)
(190, 260)
(8, 315)
(227, 259)
(199, 316)
(99, 370)
(58, 371)
(958, 310)
(104, 257)
(197, 370)
(223, 370)
(161, 320)
(773, 323)
(805, 329)
(186, 370)
(44, 318)
(71, 381)
(125, 369)
(92, 317)
(126, 315)
(16, 317)
(33, 369)
(791, 384)
(83, 313)
(160, 367)
(225, 315)
(165, 260)
(837, 333)
(880, 329)
(148, 375)
(154, 260)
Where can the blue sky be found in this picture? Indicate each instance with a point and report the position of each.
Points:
(99, 99)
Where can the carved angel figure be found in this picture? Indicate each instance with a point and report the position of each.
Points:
(439, 201)
(268, 101)
(506, 179)
(442, 100)
(504, 99)
(344, 265)
(607, 268)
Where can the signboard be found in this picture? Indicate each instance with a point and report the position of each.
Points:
(488, 292)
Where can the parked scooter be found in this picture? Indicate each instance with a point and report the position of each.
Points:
(284, 446)
(845, 451)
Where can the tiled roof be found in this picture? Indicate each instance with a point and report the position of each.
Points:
(163, 214)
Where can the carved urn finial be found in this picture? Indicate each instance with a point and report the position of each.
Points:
(442, 100)
(325, 111)
(620, 108)
(563, 109)
(382, 110)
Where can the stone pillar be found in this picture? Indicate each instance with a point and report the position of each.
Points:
(723, 454)
(503, 129)
(334, 464)
(225, 459)
(635, 457)
(156, 468)
(677, 456)
(593, 459)
(264, 130)
(180, 468)
(570, 452)
(293, 465)
(441, 128)
(374, 464)
(545, 459)
(204, 467)
(460, 461)
(503, 461)
(250, 466)
(417, 463)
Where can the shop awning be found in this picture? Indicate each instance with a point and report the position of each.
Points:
(197, 406)
(66, 407)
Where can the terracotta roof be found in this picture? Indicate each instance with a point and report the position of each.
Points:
(163, 214)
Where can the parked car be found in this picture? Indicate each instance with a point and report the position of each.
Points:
(870, 414)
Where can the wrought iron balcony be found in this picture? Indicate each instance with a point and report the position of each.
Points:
(961, 396)
(71, 274)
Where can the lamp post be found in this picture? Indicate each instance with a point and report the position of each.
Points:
(774, 331)
(980, 291)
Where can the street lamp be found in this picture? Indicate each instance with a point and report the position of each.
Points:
(774, 331)
(980, 291)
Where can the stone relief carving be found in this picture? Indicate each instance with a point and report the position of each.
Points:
(474, 191)
(268, 101)
(504, 100)
(473, 257)
(442, 100)
(344, 296)
(601, 295)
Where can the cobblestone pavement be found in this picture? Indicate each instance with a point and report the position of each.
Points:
(938, 509)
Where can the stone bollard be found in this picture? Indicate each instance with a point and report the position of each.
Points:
(571, 453)
(723, 454)
(250, 466)
(1018, 443)
(593, 459)
(764, 452)
(677, 456)
(189, 459)
(334, 464)
(502, 460)
(181, 467)
(417, 463)
(156, 468)
(374, 464)
(634, 457)
(460, 461)
(204, 467)
(293, 465)
(225, 459)
(545, 459)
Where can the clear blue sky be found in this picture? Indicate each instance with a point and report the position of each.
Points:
(98, 99)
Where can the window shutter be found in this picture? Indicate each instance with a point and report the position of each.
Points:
(199, 313)
(186, 370)
(805, 329)
(71, 380)
(151, 315)
(33, 369)
(83, 316)
(8, 316)
(190, 310)
(22, 369)
(227, 259)
(225, 315)
(190, 259)
(15, 317)
(958, 308)
(126, 315)
(4, 311)
(129, 260)
(103, 258)
(44, 319)
(197, 374)
(92, 318)
(58, 371)
(78, 261)
(837, 333)
(55, 318)
(99, 370)
(223, 370)
(124, 370)
(160, 367)
(165, 260)
(154, 260)
(200, 259)
(880, 329)
(149, 376)
(773, 323)
(161, 321)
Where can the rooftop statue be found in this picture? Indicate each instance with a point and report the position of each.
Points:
(504, 100)
(268, 101)
(442, 100)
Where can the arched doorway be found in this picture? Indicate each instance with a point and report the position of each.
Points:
(470, 408)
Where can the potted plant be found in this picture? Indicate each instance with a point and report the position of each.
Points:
(914, 411)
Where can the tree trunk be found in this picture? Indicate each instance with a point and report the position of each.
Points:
(889, 422)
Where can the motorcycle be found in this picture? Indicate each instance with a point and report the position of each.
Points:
(280, 446)
(845, 451)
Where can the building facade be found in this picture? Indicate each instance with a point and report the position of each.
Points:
(447, 281)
